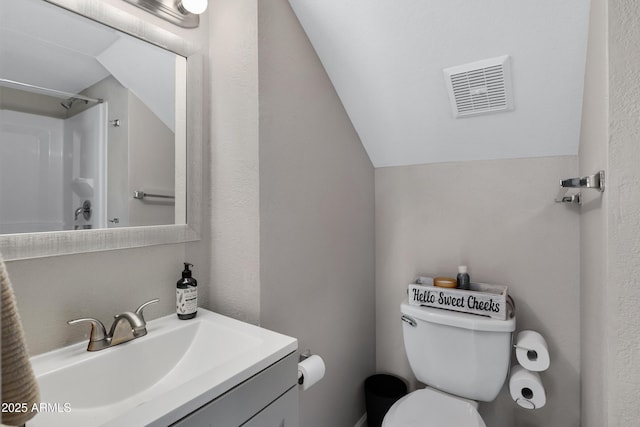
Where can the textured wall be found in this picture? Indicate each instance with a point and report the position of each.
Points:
(499, 218)
(234, 181)
(316, 220)
(623, 270)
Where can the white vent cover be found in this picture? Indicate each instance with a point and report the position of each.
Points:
(480, 87)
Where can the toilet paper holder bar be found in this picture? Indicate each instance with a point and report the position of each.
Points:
(524, 348)
(531, 353)
(304, 355)
(528, 404)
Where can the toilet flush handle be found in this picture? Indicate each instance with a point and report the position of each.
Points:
(409, 320)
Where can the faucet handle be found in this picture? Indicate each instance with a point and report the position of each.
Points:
(98, 332)
(143, 306)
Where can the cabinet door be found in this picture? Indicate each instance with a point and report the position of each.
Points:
(242, 403)
(281, 413)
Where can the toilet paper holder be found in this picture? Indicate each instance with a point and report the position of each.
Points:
(595, 181)
(311, 369)
(304, 355)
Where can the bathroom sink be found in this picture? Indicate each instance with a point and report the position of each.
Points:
(179, 366)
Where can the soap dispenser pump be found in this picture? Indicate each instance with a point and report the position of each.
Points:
(187, 294)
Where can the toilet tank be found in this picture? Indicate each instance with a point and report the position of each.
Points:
(459, 353)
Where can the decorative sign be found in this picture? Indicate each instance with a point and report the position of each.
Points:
(481, 298)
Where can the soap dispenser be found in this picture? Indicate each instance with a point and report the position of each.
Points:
(187, 295)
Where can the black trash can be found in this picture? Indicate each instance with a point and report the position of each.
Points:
(381, 392)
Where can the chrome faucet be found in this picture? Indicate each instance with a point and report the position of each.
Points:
(125, 327)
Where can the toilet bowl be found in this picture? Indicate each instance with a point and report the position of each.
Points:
(431, 408)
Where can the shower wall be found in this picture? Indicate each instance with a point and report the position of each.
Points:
(41, 158)
(31, 170)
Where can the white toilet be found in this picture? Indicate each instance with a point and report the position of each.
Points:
(462, 358)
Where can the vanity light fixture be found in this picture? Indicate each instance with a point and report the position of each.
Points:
(192, 6)
(183, 13)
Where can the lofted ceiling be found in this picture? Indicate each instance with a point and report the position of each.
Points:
(385, 59)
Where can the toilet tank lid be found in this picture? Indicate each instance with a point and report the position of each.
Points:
(457, 319)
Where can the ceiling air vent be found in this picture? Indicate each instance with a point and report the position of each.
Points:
(480, 87)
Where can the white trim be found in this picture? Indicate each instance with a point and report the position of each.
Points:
(362, 422)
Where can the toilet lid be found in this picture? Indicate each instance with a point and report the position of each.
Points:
(429, 408)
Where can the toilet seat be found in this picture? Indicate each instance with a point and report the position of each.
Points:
(431, 408)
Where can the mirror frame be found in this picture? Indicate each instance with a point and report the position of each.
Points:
(36, 245)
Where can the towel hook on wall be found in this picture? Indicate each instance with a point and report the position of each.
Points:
(595, 181)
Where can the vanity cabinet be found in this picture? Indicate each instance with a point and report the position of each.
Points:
(268, 399)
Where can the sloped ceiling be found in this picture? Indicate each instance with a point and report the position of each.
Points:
(385, 59)
(46, 46)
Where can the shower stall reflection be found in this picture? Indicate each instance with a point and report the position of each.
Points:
(51, 166)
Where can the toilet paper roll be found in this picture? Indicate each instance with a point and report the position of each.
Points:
(526, 388)
(310, 371)
(531, 351)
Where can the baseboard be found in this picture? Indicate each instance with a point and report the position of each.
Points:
(362, 422)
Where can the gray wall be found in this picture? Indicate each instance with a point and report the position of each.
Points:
(52, 290)
(152, 154)
(234, 268)
(316, 220)
(499, 218)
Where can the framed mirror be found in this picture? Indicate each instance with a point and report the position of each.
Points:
(94, 134)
